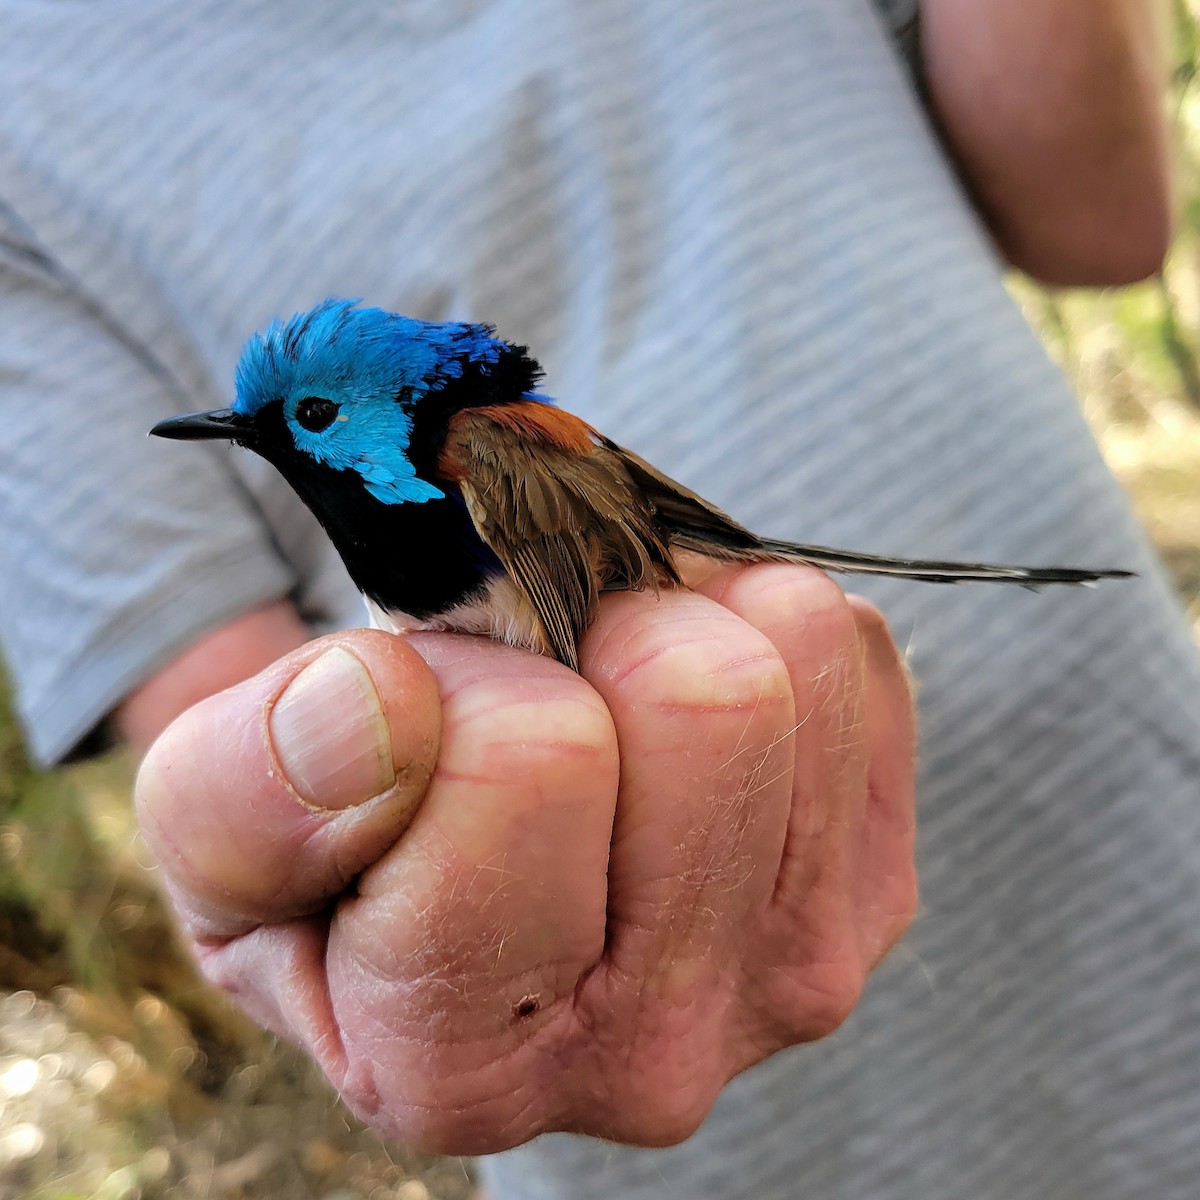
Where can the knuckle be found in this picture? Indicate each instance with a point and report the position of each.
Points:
(655, 1113)
(572, 735)
(778, 595)
(829, 1009)
(438, 1107)
(909, 895)
(668, 1119)
(649, 1056)
(816, 1001)
(900, 903)
(809, 601)
(711, 663)
(811, 620)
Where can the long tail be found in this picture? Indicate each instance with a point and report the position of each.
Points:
(933, 571)
(692, 523)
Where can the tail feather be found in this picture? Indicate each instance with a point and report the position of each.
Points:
(692, 523)
(933, 570)
(930, 570)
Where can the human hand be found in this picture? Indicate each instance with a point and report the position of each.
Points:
(493, 898)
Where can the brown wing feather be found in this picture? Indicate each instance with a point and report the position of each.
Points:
(559, 509)
(689, 520)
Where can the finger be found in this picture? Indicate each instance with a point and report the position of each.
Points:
(807, 618)
(887, 883)
(704, 719)
(262, 802)
(805, 956)
(493, 905)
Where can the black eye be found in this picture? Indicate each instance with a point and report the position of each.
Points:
(316, 413)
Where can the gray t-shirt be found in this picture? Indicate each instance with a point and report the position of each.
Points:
(728, 233)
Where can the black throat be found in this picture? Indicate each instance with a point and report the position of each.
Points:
(422, 559)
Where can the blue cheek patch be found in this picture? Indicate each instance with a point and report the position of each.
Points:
(373, 441)
(396, 487)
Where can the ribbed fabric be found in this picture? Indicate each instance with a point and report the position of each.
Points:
(730, 236)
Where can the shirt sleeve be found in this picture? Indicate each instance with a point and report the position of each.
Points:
(118, 550)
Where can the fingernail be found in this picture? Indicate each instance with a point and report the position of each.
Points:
(330, 734)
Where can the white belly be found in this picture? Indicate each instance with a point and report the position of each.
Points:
(503, 614)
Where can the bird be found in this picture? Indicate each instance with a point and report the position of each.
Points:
(461, 497)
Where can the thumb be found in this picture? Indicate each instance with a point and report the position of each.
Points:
(264, 801)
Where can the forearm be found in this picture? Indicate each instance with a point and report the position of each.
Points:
(1053, 111)
(217, 660)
